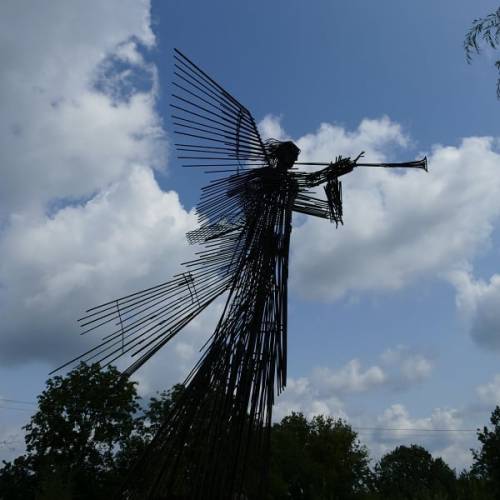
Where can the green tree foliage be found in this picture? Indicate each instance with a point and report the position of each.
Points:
(158, 408)
(17, 481)
(486, 460)
(472, 487)
(83, 419)
(146, 426)
(317, 459)
(411, 473)
(90, 430)
(487, 30)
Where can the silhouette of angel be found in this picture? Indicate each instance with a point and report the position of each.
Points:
(245, 222)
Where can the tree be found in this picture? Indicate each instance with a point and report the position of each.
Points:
(486, 461)
(17, 481)
(291, 466)
(411, 473)
(158, 409)
(89, 431)
(317, 459)
(487, 29)
(470, 486)
(146, 426)
(82, 421)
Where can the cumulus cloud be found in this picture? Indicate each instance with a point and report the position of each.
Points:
(172, 364)
(84, 134)
(490, 393)
(404, 429)
(477, 301)
(350, 378)
(11, 442)
(406, 366)
(375, 137)
(125, 238)
(324, 389)
(441, 432)
(321, 393)
(397, 417)
(301, 395)
(64, 134)
(82, 218)
(399, 227)
(270, 128)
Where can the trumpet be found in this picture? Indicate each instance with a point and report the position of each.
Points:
(419, 164)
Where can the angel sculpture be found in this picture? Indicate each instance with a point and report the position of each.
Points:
(220, 426)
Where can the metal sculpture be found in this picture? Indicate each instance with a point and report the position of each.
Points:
(245, 222)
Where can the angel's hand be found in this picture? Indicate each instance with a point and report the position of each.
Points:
(341, 166)
(361, 155)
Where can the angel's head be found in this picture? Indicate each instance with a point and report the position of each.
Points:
(281, 154)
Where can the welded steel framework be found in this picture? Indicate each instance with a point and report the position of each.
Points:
(222, 421)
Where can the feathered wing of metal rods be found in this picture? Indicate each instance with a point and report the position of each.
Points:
(218, 431)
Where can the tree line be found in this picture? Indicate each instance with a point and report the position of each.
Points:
(90, 428)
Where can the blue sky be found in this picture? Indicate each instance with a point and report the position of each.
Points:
(393, 318)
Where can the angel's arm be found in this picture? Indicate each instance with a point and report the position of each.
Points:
(331, 208)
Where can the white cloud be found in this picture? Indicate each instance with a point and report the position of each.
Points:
(478, 301)
(350, 378)
(303, 396)
(127, 237)
(395, 426)
(400, 367)
(399, 227)
(62, 136)
(270, 128)
(82, 218)
(173, 363)
(490, 393)
(403, 227)
(321, 392)
(11, 443)
(452, 446)
(407, 366)
(375, 137)
(324, 388)
(416, 368)
(397, 417)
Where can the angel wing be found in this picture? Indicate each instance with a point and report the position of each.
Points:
(220, 132)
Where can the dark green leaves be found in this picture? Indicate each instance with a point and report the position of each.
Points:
(486, 29)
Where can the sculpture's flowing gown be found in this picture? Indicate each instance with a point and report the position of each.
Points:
(218, 432)
(225, 411)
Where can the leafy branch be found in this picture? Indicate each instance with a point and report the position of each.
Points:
(486, 29)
